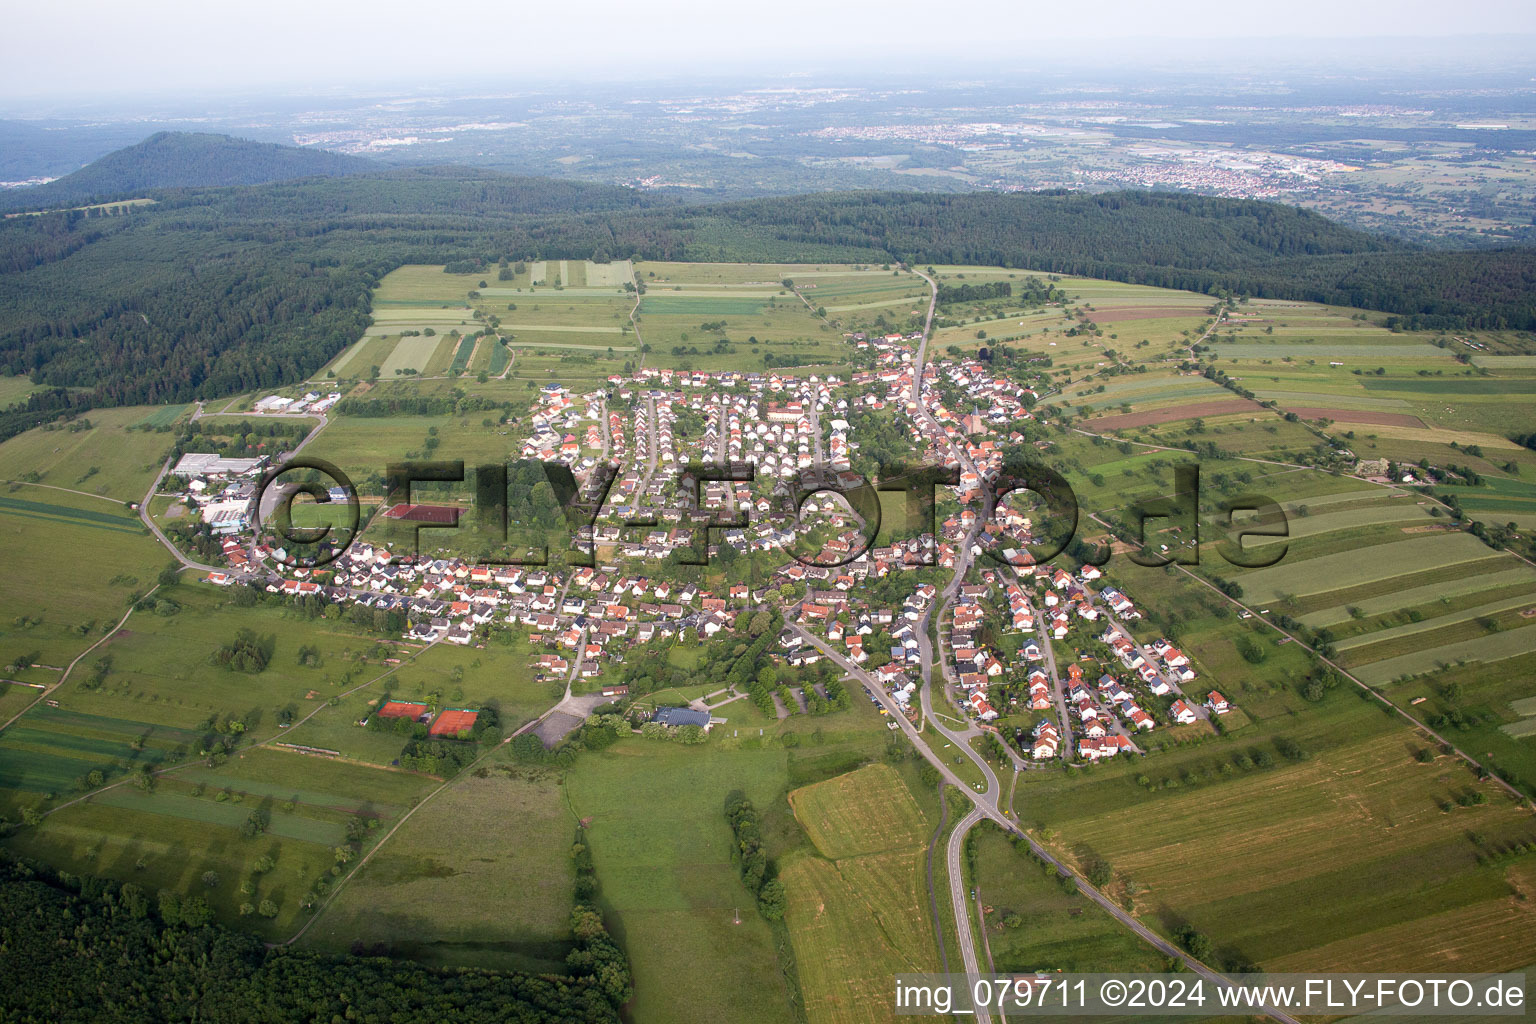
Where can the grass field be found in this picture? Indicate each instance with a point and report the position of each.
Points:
(161, 668)
(656, 816)
(1479, 648)
(190, 823)
(14, 390)
(1363, 565)
(1060, 930)
(107, 459)
(58, 601)
(480, 876)
(761, 319)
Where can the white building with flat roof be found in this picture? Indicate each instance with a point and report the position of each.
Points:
(225, 517)
(204, 464)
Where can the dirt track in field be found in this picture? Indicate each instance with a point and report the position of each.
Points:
(1222, 407)
(1114, 316)
(1386, 419)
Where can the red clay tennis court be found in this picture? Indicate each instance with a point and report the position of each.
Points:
(401, 709)
(442, 514)
(453, 721)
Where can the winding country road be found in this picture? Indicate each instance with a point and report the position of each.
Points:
(986, 803)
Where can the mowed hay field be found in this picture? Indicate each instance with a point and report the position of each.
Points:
(480, 876)
(1061, 930)
(868, 882)
(864, 811)
(1281, 868)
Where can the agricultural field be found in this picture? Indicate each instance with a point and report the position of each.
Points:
(1397, 594)
(1033, 923)
(655, 817)
(1304, 830)
(161, 664)
(57, 602)
(844, 817)
(110, 453)
(868, 880)
(364, 446)
(740, 316)
(1137, 320)
(479, 876)
(409, 302)
(190, 825)
(1231, 857)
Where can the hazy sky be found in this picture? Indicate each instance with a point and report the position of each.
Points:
(150, 46)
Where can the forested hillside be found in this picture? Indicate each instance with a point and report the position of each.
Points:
(95, 951)
(183, 160)
(215, 291)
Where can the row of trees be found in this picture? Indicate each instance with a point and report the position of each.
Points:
(756, 870)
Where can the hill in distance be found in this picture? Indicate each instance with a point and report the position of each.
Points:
(184, 160)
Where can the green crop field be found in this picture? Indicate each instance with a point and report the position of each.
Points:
(1352, 568)
(655, 813)
(1397, 597)
(461, 356)
(1523, 598)
(1507, 643)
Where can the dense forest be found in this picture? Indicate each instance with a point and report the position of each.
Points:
(82, 949)
(216, 291)
(183, 160)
